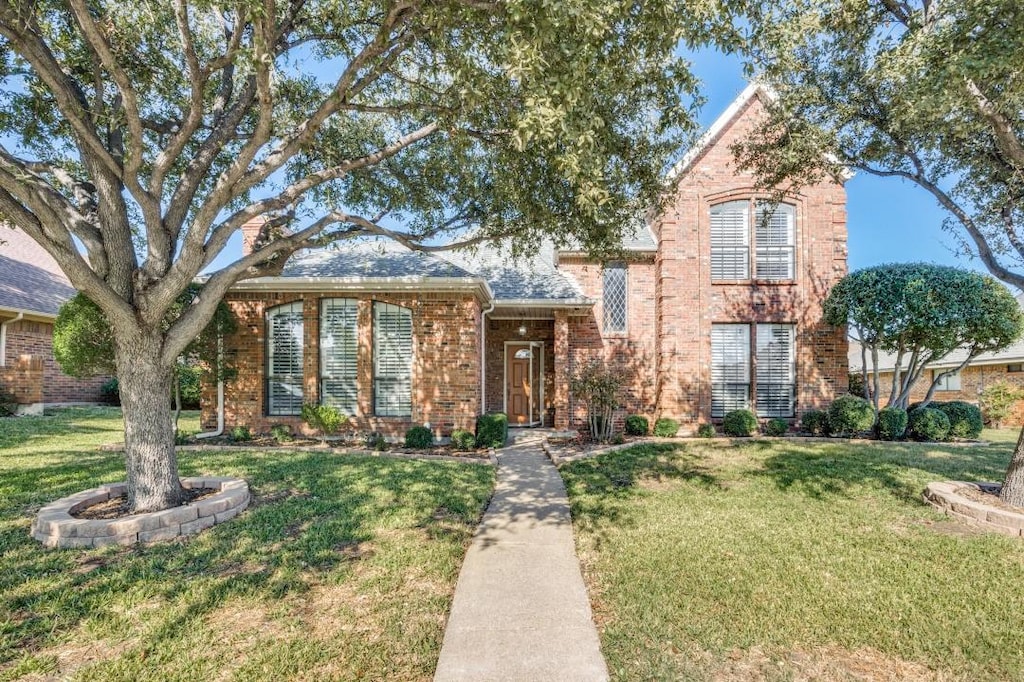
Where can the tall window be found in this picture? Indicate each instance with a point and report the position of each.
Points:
(775, 236)
(730, 241)
(774, 387)
(392, 360)
(776, 370)
(615, 292)
(284, 359)
(730, 368)
(339, 353)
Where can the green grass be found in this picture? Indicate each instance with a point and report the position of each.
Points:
(782, 560)
(343, 568)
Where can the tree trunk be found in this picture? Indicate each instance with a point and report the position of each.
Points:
(145, 385)
(1013, 485)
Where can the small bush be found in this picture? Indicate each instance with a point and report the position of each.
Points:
(463, 440)
(706, 431)
(666, 428)
(326, 419)
(776, 427)
(997, 402)
(376, 442)
(241, 434)
(637, 425)
(927, 423)
(815, 422)
(964, 419)
(281, 433)
(111, 391)
(617, 439)
(491, 430)
(849, 415)
(419, 437)
(739, 423)
(892, 423)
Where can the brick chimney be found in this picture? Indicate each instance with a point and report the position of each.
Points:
(251, 232)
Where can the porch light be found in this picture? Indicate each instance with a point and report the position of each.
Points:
(522, 330)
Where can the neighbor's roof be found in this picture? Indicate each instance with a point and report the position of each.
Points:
(30, 279)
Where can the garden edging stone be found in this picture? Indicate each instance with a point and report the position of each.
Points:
(945, 497)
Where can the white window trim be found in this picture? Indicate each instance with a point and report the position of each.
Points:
(292, 307)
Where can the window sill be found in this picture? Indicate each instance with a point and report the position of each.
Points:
(616, 335)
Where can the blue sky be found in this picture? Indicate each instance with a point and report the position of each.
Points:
(889, 220)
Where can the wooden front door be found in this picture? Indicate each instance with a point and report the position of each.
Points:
(519, 385)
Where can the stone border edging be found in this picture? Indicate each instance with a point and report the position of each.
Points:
(945, 497)
(54, 526)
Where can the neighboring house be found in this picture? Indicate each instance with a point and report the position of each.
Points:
(32, 289)
(715, 305)
(988, 368)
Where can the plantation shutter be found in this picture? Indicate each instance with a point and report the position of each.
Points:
(392, 360)
(730, 368)
(339, 354)
(730, 241)
(615, 297)
(776, 237)
(284, 359)
(776, 370)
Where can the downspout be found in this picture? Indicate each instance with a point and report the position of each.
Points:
(3, 337)
(220, 393)
(483, 356)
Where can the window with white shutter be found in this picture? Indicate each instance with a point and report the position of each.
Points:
(392, 360)
(776, 370)
(730, 241)
(775, 239)
(615, 295)
(284, 359)
(730, 368)
(339, 353)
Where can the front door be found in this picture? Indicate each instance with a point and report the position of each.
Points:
(519, 385)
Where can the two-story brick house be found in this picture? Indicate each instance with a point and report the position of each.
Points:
(715, 305)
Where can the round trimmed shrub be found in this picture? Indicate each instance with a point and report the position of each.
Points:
(964, 419)
(666, 428)
(419, 437)
(815, 422)
(491, 430)
(706, 431)
(927, 424)
(850, 414)
(776, 427)
(739, 423)
(637, 425)
(463, 440)
(892, 423)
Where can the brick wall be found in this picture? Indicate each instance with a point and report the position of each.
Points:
(973, 381)
(445, 372)
(35, 339)
(688, 303)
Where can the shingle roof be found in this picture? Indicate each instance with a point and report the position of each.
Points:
(383, 258)
(533, 278)
(30, 278)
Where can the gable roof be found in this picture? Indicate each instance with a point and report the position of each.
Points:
(30, 279)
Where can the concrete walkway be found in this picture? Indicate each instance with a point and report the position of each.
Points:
(521, 610)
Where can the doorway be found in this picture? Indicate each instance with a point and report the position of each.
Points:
(524, 382)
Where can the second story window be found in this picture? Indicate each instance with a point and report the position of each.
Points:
(775, 236)
(730, 241)
(615, 296)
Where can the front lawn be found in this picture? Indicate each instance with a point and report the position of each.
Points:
(343, 568)
(782, 560)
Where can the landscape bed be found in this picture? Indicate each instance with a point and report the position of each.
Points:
(342, 567)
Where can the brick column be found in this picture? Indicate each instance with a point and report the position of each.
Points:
(561, 359)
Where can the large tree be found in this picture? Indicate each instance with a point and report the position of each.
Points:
(927, 91)
(139, 137)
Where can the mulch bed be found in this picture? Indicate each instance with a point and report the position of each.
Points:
(300, 442)
(989, 494)
(117, 507)
(565, 447)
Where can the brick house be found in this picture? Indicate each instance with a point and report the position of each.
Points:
(715, 304)
(32, 289)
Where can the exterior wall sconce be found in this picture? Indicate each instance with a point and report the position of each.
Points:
(522, 330)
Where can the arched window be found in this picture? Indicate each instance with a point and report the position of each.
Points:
(392, 360)
(339, 353)
(284, 359)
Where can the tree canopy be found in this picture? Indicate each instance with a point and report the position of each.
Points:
(920, 313)
(928, 92)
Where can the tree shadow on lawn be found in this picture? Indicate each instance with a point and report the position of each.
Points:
(313, 517)
(821, 470)
(600, 487)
